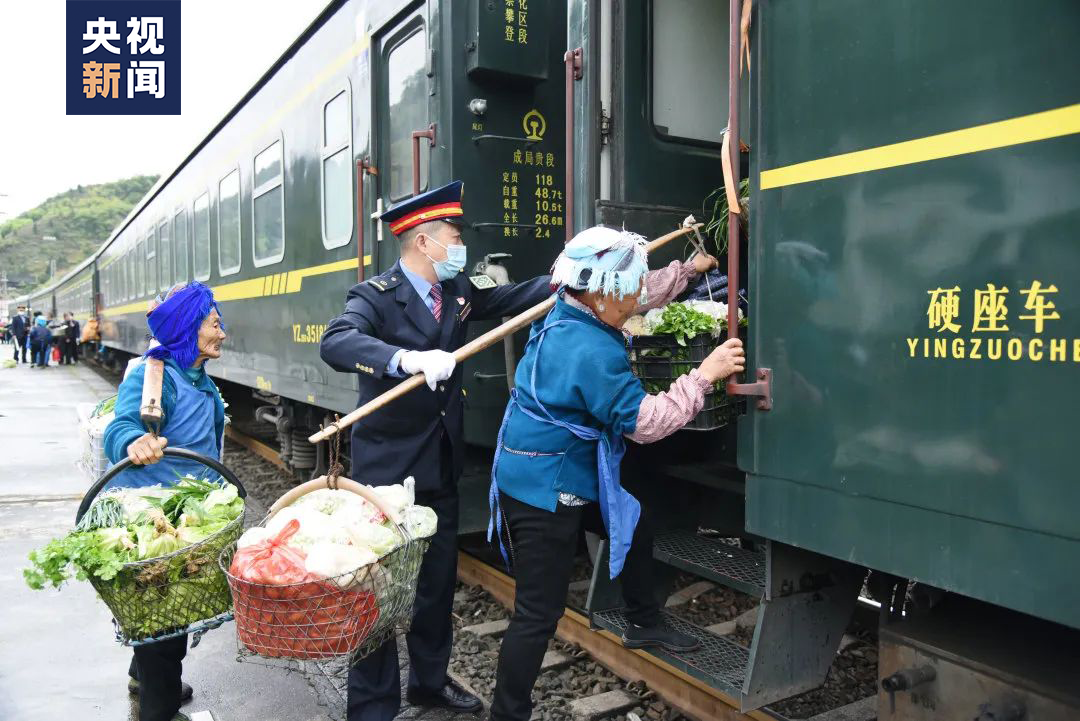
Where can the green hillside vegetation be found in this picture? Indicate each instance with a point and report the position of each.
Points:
(80, 219)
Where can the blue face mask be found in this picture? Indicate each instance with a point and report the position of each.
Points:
(454, 263)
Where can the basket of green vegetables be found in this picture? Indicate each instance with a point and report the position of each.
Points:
(151, 553)
(669, 343)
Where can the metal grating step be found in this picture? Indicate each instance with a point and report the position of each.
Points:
(714, 560)
(719, 662)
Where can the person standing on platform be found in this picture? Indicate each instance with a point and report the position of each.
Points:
(68, 339)
(402, 322)
(20, 329)
(189, 331)
(40, 343)
(75, 338)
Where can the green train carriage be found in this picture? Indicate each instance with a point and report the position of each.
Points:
(876, 454)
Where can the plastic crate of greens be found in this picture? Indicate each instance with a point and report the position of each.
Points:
(674, 341)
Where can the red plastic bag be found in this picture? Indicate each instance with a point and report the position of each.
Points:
(271, 562)
(56, 354)
(282, 611)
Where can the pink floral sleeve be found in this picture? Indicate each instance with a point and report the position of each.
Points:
(663, 284)
(662, 414)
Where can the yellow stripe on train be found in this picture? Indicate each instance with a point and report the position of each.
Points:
(261, 287)
(1015, 131)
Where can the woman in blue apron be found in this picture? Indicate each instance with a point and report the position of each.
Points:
(188, 330)
(556, 468)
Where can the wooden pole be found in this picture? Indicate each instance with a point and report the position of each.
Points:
(493, 336)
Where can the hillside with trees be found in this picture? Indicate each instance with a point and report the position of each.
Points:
(80, 220)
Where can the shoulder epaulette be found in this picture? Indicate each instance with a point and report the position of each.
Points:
(385, 282)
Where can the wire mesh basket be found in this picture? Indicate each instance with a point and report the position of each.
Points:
(181, 592)
(349, 615)
(93, 420)
(659, 360)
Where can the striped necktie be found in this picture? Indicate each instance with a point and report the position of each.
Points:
(436, 305)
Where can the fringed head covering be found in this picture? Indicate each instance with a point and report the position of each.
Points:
(175, 322)
(603, 260)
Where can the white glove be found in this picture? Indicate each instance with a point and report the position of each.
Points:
(436, 365)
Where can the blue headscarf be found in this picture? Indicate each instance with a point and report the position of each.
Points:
(41, 320)
(175, 323)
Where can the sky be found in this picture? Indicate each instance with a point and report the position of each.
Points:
(43, 151)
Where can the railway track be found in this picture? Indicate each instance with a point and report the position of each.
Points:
(676, 688)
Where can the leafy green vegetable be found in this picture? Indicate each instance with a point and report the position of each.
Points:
(186, 489)
(106, 512)
(104, 408)
(683, 322)
(717, 227)
(82, 550)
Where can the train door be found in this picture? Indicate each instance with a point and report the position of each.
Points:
(652, 109)
(402, 88)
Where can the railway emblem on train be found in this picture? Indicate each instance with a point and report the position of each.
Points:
(123, 58)
(534, 125)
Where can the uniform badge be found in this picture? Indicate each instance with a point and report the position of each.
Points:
(481, 282)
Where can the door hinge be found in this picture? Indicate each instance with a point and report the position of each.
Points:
(605, 126)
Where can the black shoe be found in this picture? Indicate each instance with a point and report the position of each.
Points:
(186, 692)
(664, 636)
(450, 696)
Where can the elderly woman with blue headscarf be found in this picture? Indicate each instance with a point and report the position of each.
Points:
(187, 329)
(556, 466)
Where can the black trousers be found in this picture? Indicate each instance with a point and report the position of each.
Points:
(67, 350)
(543, 548)
(20, 345)
(375, 681)
(157, 666)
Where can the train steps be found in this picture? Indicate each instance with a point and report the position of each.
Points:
(806, 602)
(713, 560)
(719, 662)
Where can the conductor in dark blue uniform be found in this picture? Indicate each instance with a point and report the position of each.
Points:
(405, 321)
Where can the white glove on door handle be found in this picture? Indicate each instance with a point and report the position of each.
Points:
(436, 365)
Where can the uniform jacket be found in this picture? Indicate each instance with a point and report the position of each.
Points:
(18, 326)
(385, 314)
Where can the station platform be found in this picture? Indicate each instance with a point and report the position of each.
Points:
(60, 658)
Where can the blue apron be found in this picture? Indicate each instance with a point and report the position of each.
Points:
(619, 509)
(190, 424)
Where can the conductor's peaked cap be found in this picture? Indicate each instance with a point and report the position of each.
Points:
(439, 204)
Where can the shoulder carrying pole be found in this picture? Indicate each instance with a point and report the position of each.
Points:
(471, 348)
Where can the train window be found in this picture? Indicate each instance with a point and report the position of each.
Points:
(689, 40)
(140, 276)
(408, 111)
(165, 251)
(268, 207)
(337, 187)
(129, 273)
(201, 233)
(229, 223)
(151, 262)
(182, 243)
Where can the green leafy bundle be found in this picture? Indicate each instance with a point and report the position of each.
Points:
(683, 322)
(132, 525)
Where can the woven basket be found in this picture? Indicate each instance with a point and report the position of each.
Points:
(182, 592)
(348, 615)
